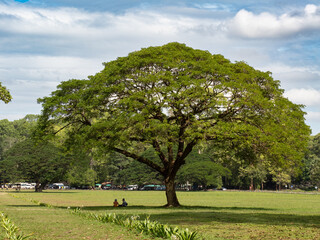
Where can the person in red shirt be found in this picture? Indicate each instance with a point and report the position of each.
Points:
(115, 203)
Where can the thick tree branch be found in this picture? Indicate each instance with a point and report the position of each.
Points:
(188, 149)
(181, 140)
(170, 150)
(181, 159)
(140, 159)
(65, 126)
(160, 153)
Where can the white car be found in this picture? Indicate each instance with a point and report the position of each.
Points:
(25, 185)
(132, 187)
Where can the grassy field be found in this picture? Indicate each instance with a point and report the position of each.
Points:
(215, 215)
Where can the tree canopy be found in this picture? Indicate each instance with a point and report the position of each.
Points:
(15, 131)
(203, 172)
(172, 98)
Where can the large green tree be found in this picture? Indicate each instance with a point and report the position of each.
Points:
(172, 98)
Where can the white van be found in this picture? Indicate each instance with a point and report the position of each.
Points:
(133, 187)
(25, 185)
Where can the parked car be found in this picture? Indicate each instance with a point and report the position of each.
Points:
(58, 186)
(160, 188)
(148, 187)
(26, 186)
(132, 187)
(153, 187)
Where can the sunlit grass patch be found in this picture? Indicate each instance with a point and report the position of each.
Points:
(55, 223)
(214, 215)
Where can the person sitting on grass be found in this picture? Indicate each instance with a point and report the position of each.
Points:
(124, 203)
(115, 203)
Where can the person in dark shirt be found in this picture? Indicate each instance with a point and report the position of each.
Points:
(124, 203)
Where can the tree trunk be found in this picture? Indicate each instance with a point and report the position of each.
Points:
(172, 200)
(38, 187)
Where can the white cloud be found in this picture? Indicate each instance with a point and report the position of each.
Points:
(68, 31)
(214, 6)
(267, 25)
(46, 68)
(31, 77)
(69, 22)
(294, 77)
(313, 119)
(308, 97)
(25, 20)
(41, 47)
(313, 116)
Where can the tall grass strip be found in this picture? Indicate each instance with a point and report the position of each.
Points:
(12, 231)
(146, 226)
(33, 201)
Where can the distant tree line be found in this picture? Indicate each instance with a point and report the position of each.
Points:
(210, 166)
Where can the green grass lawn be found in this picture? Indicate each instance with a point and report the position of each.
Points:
(215, 215)
(54, 223)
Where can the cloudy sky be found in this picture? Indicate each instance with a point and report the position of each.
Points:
(44, 42)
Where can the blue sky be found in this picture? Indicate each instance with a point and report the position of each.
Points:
(45, 42)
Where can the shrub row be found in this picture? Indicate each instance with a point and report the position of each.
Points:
(12, 231)
(146, 226)
(33, 201)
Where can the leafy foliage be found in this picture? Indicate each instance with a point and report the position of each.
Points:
(11, 230)
(15, 131)
(34, 163)
(311, 161)
(4, 94)
(146, 226)
(174, 97)
(78, 176)
(257, 174)
(204, 173)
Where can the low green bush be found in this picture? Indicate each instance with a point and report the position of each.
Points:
(146, 226)
(12, 231)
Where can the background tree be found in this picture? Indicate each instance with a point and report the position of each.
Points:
(12, 132)
(81, 177)
(205, 173)
(311, 163)
(256, 174)
(41, 164)
(281, 177)
(315, 171)
(80, 173)
(175, 97)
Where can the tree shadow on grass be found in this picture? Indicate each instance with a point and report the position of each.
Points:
(199, 218)
(190, 216)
